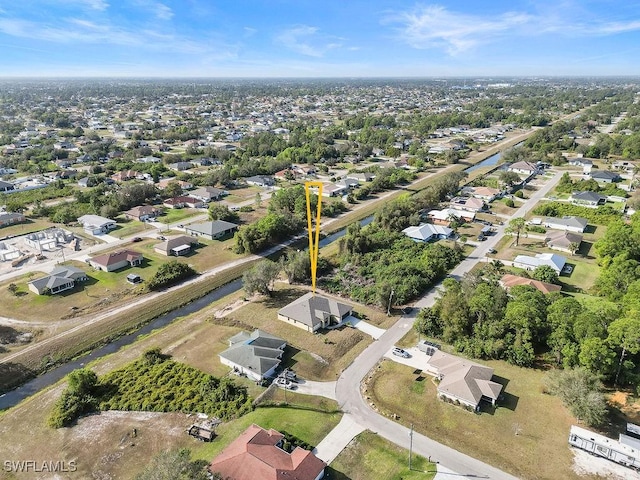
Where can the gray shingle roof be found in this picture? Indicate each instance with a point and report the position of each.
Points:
(211, 228)
(258, 351)
(311, 309)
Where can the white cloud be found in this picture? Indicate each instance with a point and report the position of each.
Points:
(307, 40)
(163, 12)
(435, 26)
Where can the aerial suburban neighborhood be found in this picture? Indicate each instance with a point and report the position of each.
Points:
(476, 287)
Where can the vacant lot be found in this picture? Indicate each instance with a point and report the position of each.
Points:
(31, 225)
(513, 437)
(174, 215)
(369, 456)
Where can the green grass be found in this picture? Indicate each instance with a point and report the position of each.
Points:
(582, 278)
(370, 456)
(490, 435)
(173, 215)
(127, 228)
(304, 419)
(31, 225)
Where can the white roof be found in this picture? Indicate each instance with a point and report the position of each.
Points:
(95, 220)
(553, 260)
(425, 231)
(446, 212)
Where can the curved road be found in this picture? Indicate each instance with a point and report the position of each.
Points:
(359, 415)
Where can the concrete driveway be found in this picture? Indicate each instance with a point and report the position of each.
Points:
(323, 389)
(417, 360)
(365, 327)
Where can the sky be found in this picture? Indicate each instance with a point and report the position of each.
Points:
(318, 38)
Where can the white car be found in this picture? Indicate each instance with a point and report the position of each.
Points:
(283, 383)
(400, 352)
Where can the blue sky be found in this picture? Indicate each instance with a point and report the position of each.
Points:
(318, 38)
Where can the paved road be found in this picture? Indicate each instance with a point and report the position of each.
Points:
(362, 415)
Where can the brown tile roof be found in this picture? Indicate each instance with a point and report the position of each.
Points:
(116, 257)
(255, 456)
(507, 281)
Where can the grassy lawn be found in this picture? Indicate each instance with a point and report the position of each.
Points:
(173, 215)
(582, 278)
(370, 456)
(31, 225)
(320, 356)
(490, 435)
(498, 206)
(126, 228)
(239, 195)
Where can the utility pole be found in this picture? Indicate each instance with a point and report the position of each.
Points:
(410, 445)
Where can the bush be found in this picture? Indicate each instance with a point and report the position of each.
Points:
(519, 194)
(169, 274)
(509, 203)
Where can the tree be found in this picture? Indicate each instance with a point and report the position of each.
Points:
(596, 356)
(218, 211)
(260, 278)
(297, 266)
(173, 189)
(516, 226)
(508, 178)
(176, 465)
(624, 333)
(545, 273)
(581, 392)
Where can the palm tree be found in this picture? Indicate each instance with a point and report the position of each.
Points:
(573, 247)
(516, 225)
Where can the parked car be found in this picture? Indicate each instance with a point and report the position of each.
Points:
(400, 352)
(136, 239)
(283, 383)
(492, 251)
(289, 375)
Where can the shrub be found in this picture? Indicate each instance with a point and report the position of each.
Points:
(509, 203)
(170, 274)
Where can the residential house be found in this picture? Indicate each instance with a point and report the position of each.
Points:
(446, 215)
(60, 279)
(604, 176)
(467, 203)
(183, 202)
(553, 260)
(212, 230)
(509, 281)
(142, 213)
(426, 232)
(85, 182)
(178, 245)
(334, 190)
(260, 181)
(362, 176)
(462, 380)
(6, 186)
(10, 218)
(162, 183)
(525, 168)
(208, 194)
(305, 170)
(564, 241)
(487, 194)
(124, 176)
(96, 225)
(110, 262)
(312, 312)
(568, 223)
(348, 183)
(148, 159)
(180, 166)
(256, 355)
(585, 163)
(587, 199)
(258, 454)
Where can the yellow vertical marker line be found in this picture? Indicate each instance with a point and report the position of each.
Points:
(314, 240)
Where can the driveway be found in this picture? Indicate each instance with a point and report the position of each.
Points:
(365, 327)
(417, 360)
(323, 389)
